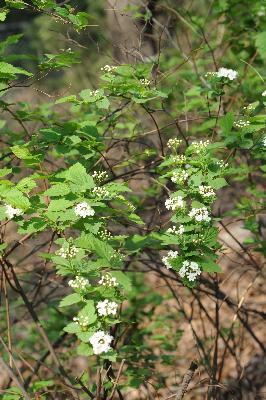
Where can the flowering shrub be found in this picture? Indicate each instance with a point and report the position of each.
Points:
(99, 198)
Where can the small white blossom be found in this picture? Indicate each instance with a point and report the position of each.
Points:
(109, 68)
(176, 230)
(84, 210)
(206, 191)
(94, 93)
(105, 234)
(200, 145)
(174, 143)
(179, 176)
(108, 280)
(173, 203)
(264, 141)
(82, 320)
(179, 159)
(210, 74)
(170, 256)
(227, 73)
(79, 283)
(200, 214)
(67, 251)
(189, 270)
(101, 342)
(241, 123)
(100, 176)
(264, 93)
(106, 307)
(222, 164)
(145, 82)
(100, 191)
(12, 212)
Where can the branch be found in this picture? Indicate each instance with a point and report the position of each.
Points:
(186, 381)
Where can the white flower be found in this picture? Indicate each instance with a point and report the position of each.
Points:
(206, 191)
(174, 143)
(179, 176)
(176, 231)
(100, 176)
(105, 234)
(264, 93)
(100, 342)
(67, 252)
(82, 320)
(200, 214)
(145, 82)
(109, 68)
(100, 191)
(264, 141)
(84, 210)
(173, 203)
(222, 164)
(227, 73)
(106, 307)
(108, 280)
(170, 256)
(79, 283)
(179, 159)
(200, 145)
(189, 270)
(11, 212)
(241, 123)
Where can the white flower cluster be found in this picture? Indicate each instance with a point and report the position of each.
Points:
(264, 93)
(223, 73)
(100, 191)
(94, 92)
(84, 210)
(67, 252)
(106, 307)
(179, 159)
(179, 176)
(206, 191)
(105, 234)
(241, 123)
(201, 145)
(79, 283)
(189, 270)
(12, 212)
(250, 107)
(100, 176)
(101, 342)
(170, 256)
(200, 214)
(174, 143)
(222, 164)
(82, 320)
(145, 82)
(173, 203)
(176, 230)
(109, 68)
(227, 73)
(108, 280)
(264, 141)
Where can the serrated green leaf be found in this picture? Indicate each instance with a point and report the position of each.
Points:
(70, 299)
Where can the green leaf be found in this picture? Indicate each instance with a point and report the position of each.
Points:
(59, 205)
(78, 176)
(9, 71)
(226, 123)
(218, 183)
(260, 43)
(3, 15)
(89, 312)
(122, 279)
(84, 349)
(72, 327)
(70, 299)
(57, 190)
